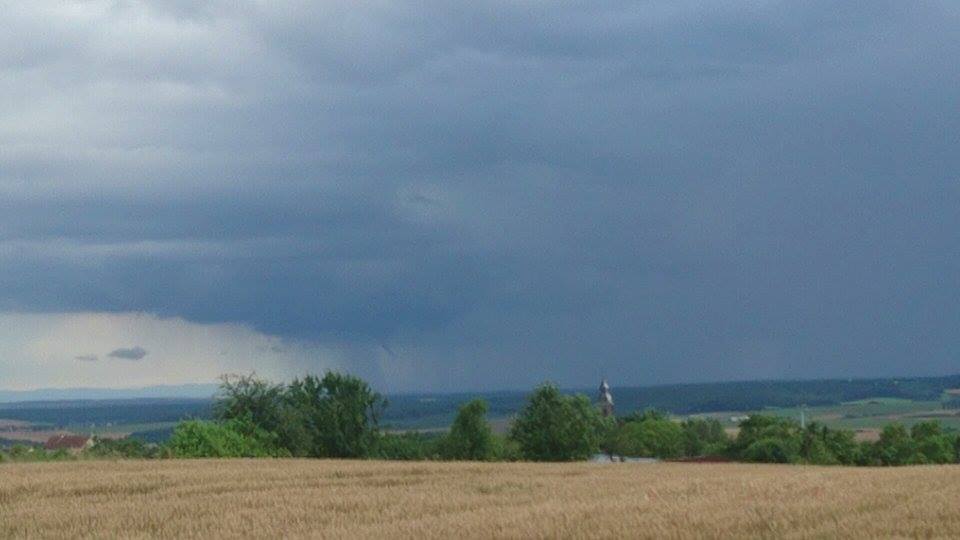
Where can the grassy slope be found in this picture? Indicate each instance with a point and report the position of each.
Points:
(350, 499)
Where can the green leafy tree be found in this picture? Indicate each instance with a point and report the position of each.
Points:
(842, 444)
(470, 436)
(653, 436)
(817, 453)
(896, 446)
(933, 446)
(254, 399)
(336, 415)
(262, 407)
(555, 427)
(339, 414)
(772, 438)
(704, 437)
(821, 445)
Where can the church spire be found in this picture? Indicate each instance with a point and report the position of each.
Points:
(606, 399)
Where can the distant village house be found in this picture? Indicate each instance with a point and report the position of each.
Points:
(71, 443)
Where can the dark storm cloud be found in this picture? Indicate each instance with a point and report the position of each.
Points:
(498, 193)
(133, 353)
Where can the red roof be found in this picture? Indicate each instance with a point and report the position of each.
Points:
(66, 442)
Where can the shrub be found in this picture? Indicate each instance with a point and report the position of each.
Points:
(201, 439)
(505, 449)
(769, 450)
(121, 448)
(406, 447)
(20, 451)
(651, 437)
(764, 428)
(29, 453)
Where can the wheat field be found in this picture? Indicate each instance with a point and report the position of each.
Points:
(364, 499)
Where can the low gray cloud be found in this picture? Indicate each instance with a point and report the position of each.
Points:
(133, 353)
(87, 358)
(497, 193)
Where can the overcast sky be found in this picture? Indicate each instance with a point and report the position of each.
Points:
(447, 195)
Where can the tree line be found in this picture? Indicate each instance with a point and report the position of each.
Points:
(338, 416)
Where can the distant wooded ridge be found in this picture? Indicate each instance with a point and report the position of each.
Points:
(426, 410)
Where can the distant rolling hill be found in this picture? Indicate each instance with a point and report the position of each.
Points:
(65, 394)
(85, 408)
(434, 410)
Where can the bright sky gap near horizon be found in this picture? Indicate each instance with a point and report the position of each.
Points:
(457, 196)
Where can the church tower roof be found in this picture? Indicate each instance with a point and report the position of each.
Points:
(605, 398)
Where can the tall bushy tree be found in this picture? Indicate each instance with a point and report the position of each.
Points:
(704, 437)
(261, 405)
(896, 446)
(821, 445)
(470, 436)
(925, 442)
(247, 396)
(339, 413)
(336, 415)
(555, 427)
(933, 446)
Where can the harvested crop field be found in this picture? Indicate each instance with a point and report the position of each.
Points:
(349, 499)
